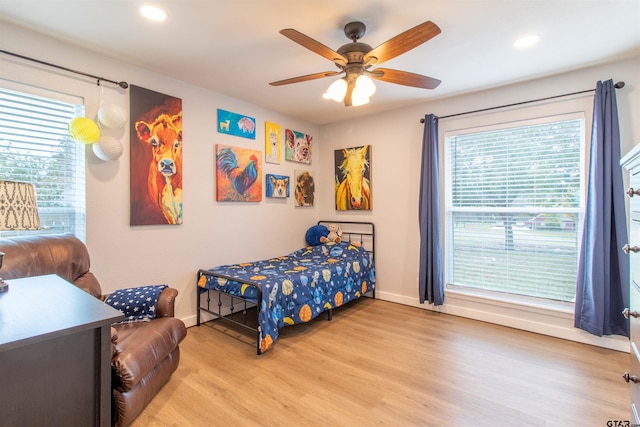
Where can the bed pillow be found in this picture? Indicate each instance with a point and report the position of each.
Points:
(138, 304)
(315, 235)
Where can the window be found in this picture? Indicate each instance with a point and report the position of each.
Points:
(514, 207)
(35, 147)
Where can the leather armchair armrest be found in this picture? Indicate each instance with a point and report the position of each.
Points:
(166, 302)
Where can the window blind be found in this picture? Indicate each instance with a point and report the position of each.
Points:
(515, 207)
(35, 147)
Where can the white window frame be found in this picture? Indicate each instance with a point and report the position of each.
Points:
(580, 107)
(78, 169)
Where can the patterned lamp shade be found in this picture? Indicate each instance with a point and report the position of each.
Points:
(18, 210)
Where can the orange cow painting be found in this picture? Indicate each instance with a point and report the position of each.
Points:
(156, 158)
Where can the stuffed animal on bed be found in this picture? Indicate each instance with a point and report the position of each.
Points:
(335, 233)
(317, 235)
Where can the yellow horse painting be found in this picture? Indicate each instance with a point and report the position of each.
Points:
(353, 190)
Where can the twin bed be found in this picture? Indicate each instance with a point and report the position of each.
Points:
(291, 289)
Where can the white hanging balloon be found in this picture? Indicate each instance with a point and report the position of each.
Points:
(107, 148)
(112, 116)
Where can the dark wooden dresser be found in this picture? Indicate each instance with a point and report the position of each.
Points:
(632, 162)
(55, 355)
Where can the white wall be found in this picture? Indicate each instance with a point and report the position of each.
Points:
(213, 232)
(396, 139)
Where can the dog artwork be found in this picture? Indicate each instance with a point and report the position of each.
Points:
(277, 186)
(156, 158)
(305, 188)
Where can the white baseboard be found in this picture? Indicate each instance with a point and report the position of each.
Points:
(532, 319)
(190, 321)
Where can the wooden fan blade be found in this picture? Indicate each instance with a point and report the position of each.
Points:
(402, 43)
(313, 45)
(404, 78)
(305, 78)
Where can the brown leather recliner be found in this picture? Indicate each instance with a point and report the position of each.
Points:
(144, 354)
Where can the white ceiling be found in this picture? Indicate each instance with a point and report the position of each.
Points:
(233, 46)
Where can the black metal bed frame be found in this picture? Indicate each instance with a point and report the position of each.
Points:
(217, 311)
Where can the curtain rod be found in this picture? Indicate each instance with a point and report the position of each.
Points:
(123, 84)
(618, 85)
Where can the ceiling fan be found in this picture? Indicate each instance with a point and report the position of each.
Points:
(354, 60)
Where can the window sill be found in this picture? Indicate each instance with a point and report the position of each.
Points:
(531, 304)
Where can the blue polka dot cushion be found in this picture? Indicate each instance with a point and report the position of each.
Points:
(138, 304)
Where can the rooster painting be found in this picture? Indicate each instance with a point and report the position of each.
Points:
(238, 176)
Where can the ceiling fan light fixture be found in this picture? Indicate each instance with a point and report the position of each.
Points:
(337, 90)
(357, 100)
(355, 58)
(364, 86)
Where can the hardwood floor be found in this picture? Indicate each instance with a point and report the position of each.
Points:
(380, 363)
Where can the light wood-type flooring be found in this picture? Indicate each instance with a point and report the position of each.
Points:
(383, 364)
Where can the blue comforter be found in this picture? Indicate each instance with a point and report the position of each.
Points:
(297, 287)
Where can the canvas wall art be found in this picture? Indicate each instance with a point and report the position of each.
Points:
(236, 124)
(238, 174)
(305, 188)
(156, 158)
(353, 178)
(297, 147)
(277, 186)
(271, 142)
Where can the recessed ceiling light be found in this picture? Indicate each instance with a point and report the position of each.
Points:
(527, 41)
(153, 13)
